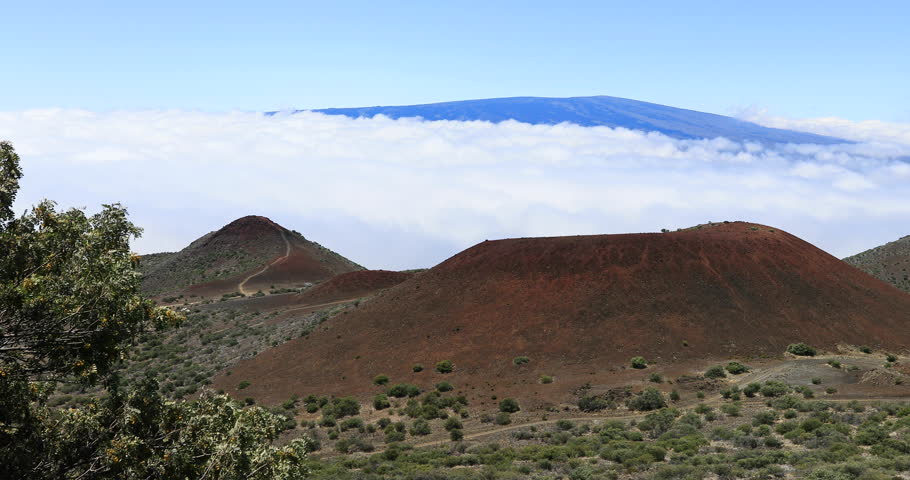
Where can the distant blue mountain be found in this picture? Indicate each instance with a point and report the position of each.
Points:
(594, 111)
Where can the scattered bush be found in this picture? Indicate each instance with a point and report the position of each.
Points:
(801, 349)
(243, 384)
(834, 363)
(381, 401)
(452, 423)
(674, 396)
(774, 389)
(444, 387)
(816, 381)
(593, 403)
(402, 390)
(546, 379)
(420, 428)
(456, 435)
(381, 379)
(502, 418)
(417, 367)
(639, 362)
(891, 358)
(445, 366)
(649, 399)
(716, 371)
(655, 378)
(342, 407)
(865, 349)
(509, 405)
(736, 368)
(520, 360)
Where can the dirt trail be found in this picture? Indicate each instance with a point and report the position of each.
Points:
(287, 253)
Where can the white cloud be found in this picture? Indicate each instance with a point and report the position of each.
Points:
(405, 193)
(874, 131)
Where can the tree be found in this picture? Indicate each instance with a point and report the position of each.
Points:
(69, 309)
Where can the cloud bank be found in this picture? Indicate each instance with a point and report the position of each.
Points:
(407, 193)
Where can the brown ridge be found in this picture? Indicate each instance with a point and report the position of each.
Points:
(581, 306)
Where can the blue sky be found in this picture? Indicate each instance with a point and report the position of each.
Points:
(155, 105)
(795, 59)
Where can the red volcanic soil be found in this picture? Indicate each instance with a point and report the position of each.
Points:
(353, 285)
(580, 307)
(345, 286)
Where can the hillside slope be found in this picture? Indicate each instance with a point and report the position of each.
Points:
(220, 261)
(581, 306)
(600, 111)
(889, 262)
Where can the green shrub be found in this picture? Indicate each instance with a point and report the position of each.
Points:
(639, 362)
(452, 423)
(593, 403)
(444, 387)
(774, 389)
(394, 436)
(445, 366)
(509, 405)
(546, 379)
(502, 418)
(736, 368)
(456, 435)
(381, 401)
(834, 363)
(674, 396)
(751, 389)
(520, 360)
(816, 381)
(865, 349)
(402, 390)
(649, 399)
(351, 424)
(243, 385)
(420, 428)
(655, 378)
(381, 379)
(716, 371)
(342, 407)
(417, 367)
(801, 349)
(891, 358)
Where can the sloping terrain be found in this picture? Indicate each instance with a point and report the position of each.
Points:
(353, 285)
(889, 262)
(249, 254)
(600, 111)
(580, 307)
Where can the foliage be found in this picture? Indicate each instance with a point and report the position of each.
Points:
(401, 390)
(381, 380)
(69, 308)
(520, 360)
(716, 371)
(509, 405)
(639, 362)
(801, 349)
(381, 401)
(649, 399)
(736, 368)
(444, 387)
(445, 366)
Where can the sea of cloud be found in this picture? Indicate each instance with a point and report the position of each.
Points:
(408, 193)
